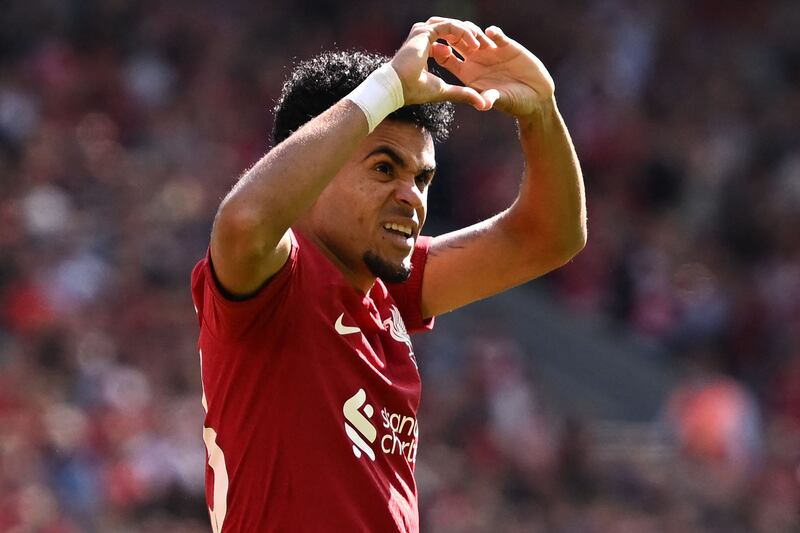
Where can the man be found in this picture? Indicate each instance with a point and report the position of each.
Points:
(316, 271)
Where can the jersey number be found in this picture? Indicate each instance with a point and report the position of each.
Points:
(216, 460)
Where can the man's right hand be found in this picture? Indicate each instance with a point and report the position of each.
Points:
(411, 63)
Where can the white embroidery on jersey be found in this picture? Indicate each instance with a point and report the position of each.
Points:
(357, 421)
(397, 329)
(399, 432)
(341, 329)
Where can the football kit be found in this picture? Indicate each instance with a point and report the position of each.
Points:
(311, 391)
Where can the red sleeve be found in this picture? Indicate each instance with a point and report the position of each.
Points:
(228, 318)
(408, 295)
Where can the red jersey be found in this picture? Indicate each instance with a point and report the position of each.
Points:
(311, 392)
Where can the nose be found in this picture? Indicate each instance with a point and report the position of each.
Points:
(407, 192)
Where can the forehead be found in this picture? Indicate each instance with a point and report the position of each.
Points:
(411, 142)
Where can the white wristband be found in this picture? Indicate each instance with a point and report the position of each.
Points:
(378, 95)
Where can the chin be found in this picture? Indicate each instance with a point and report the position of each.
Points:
(387, 271)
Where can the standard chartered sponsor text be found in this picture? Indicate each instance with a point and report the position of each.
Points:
(402, 435)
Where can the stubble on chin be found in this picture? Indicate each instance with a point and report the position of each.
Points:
(385, 270)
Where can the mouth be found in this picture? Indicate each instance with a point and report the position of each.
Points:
(400, 233)
(400, 229)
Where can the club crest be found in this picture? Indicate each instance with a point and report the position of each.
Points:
(397, 329)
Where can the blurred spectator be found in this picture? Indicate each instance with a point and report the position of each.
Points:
(122, 124)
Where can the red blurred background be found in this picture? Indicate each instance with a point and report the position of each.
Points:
(671, 401)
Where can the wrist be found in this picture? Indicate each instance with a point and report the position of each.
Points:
(379, 95)
(540, 115)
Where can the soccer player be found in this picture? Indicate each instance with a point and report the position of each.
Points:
(317, 271)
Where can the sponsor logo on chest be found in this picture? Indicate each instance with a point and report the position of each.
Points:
(399, 433)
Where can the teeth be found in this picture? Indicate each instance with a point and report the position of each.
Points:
(398, 227)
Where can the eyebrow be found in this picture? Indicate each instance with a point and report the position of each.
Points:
(396, 158)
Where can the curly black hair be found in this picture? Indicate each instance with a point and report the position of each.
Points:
(316, 84)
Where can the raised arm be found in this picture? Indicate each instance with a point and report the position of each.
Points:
(249, 240)
(546, 225)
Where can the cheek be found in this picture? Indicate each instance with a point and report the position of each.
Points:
(357, 204)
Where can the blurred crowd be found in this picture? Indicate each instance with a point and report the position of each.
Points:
(123, 123)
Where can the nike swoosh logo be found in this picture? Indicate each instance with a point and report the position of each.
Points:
(345, 330)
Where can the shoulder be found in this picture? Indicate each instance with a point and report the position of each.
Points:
(231, 317)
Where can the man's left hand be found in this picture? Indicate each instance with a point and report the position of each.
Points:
(504, 71)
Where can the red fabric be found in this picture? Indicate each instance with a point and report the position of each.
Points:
(276, 376)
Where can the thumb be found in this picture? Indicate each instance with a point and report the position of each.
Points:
(490, 96)
(465, 95)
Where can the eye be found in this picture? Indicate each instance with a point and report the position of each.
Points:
(423, 180)
(384, 168)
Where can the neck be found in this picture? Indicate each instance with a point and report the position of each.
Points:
(359, 278)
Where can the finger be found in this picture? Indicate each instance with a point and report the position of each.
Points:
(490, 96)
(482, 37)
(497, 36)
(444, 56)
(476, 30)
(464, 95)
(454, 32)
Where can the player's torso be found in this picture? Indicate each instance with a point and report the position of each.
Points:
(316, 414)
